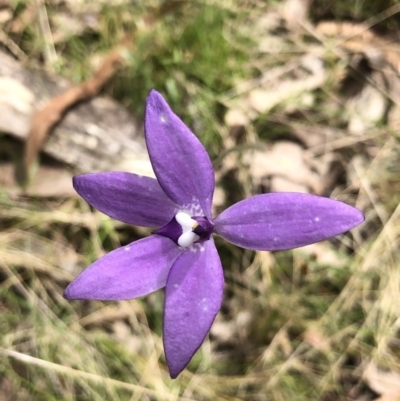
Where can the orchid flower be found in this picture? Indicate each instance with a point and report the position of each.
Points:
(181, 255)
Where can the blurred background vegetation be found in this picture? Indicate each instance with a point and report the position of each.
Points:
(289, 95)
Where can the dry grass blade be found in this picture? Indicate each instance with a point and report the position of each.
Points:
(12, 46)
(65, 370)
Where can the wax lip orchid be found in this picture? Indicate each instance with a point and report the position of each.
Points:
(180, 255)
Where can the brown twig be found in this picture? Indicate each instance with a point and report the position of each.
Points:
(45, 119)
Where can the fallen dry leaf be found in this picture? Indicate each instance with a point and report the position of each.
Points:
(385, 383)
(313, 72)
(279, 85)
(295, 13)
(284, 163)
(368, 107)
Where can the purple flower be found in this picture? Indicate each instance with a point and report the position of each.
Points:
(181, 255)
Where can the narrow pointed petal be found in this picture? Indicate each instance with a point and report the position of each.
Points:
(180, 162)
(193, 297)
(280, 221)
(128, 272)
(127, 197)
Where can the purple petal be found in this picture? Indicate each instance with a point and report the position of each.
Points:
(180, 162)
(280, 221)
(128, 272)
(127, 197)
(193, 298)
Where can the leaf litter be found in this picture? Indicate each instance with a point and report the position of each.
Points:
(318, 316)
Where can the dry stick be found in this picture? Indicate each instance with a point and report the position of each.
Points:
(12, 46)
(82, 375)
(45, 119)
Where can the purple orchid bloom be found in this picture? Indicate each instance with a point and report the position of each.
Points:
(181, 255)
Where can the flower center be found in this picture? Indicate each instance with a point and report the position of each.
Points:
(185, 230)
